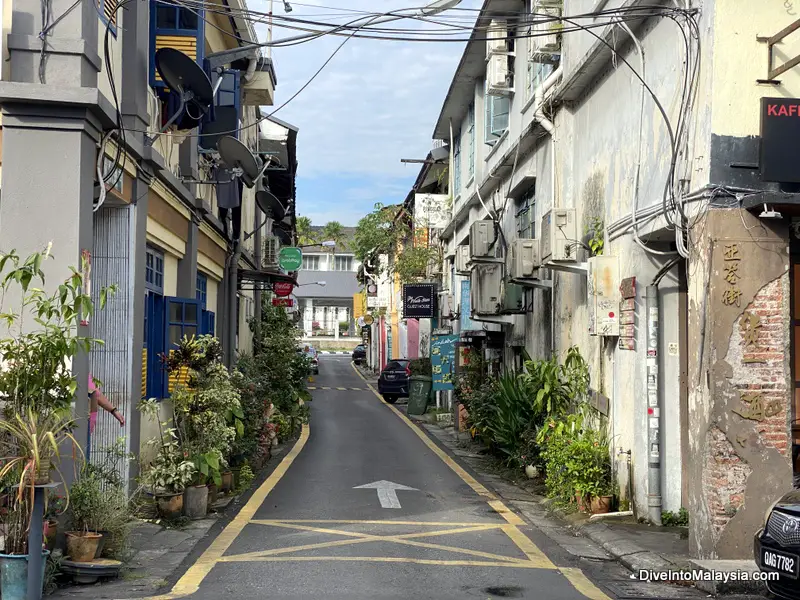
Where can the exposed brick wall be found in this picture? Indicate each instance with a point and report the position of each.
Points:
(726, 479)
(768, 378)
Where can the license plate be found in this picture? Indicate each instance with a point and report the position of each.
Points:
(390, 377)
(787, 564)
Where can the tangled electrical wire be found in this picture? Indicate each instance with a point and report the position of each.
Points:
(457, 25)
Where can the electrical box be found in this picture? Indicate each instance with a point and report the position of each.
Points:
(446, 305)
(559, 241)
(481, 237)
(604, 296)
(462, 259)
(513, 298)
(485, 285)
(523, 258)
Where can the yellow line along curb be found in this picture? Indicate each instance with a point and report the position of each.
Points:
(575, 576)
(190, 582)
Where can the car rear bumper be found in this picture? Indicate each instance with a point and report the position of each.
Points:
(783, 587)
(399, 388)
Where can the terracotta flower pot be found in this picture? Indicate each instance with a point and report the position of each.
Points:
(43, 472)
(82, 547)
(581, 501)
(49, 532)
(227, 481)
(170, 506)
(601, 504)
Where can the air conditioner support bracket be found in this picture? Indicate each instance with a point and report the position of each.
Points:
(545, 284)
(498, 319)
(577, 268)
(485, 260)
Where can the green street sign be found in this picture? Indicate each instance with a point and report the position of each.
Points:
(290, 259)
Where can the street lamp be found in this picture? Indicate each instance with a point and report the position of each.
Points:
(325, 244)
(319, 283)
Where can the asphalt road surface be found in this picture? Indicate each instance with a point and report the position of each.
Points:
(421, 528)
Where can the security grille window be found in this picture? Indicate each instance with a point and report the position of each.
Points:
(343, 263)
(497, 109)
(184, 319)
(537, 74)
(311, 263)
(526, 215)
(471, 131)
(227, 110)
(175, 17)
(202, 289)
(457, 162)
(154, 271)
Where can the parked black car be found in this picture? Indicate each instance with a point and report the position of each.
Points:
(393, 380)
(359, 354)
(777, 546)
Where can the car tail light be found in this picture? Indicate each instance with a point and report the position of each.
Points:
(408, 371)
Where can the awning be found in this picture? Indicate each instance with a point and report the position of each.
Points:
(270, 277)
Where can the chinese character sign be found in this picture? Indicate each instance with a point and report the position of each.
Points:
(443, 357)
(466, 310)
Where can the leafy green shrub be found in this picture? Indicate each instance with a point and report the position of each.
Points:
(671, 519)
(245, 478)
(421, 367)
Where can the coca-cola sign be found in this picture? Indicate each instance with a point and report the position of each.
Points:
(419, 301)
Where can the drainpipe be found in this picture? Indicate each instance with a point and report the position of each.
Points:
(547, 124)
(251, 69)
(233, 300)
(654, 500)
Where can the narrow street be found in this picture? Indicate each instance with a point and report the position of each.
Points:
(322, 531)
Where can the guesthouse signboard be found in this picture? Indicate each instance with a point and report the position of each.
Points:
(419, 301)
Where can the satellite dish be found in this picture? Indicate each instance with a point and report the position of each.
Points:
(284, 236)
(238, 156)
(185, 77)
(270, 205)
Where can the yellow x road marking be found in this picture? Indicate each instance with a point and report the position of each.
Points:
(408, 539)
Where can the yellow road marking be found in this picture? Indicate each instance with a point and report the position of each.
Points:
(311, 388)
(325, 388)
(357, 389)
(520, 539)
(393, 559)
(361, 538)
(343, 389)
(581, 583)
(191, 580)
(356, 522)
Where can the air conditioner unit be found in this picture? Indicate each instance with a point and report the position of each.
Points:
(497, 37)
(446, 305)
(545, 34)
(513, 299)
(462, 259)
(523, 258)
(481, 237)
(272, 246)
(499, 79)
(485, 285)
(604, 295)
(559, 239)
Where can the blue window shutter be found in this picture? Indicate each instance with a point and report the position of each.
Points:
(154, 308)
(182, 317)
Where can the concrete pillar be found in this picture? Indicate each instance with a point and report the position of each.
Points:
(135, 66)
(187, 266)
(137, 261)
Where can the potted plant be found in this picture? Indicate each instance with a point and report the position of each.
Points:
(199, 495)
(421, 381)
(86, 507)
(55, 507)
(168, 475)
(14, 560)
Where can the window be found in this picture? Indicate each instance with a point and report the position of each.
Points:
(537, 73)
(227, 112)
(183, 319)
(497, 109)
(457, 163)
(471, 132)
(154, 271)
(108, 15)
(202, 289)
(311, 263)
(525, 215)
(343, 263)
(176, 18)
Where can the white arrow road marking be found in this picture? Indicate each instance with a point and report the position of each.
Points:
(387, 492)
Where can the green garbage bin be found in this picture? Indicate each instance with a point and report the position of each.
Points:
(418, 393)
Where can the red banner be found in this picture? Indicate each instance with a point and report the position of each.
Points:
(287, 302)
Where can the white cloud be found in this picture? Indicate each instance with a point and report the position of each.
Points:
(375, 103)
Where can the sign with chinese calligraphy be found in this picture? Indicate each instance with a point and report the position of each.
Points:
(627, 314)
(466, 309)
(430, 211)
(419, 301)
(731, 294)
(285, 302)
(443, 357)
(366, 332)
(750, 326)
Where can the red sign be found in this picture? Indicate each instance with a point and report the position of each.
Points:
(282, 289)
(283, 302)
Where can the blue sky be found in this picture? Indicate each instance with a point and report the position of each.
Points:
(375, 103)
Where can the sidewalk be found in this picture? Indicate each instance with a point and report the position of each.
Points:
(636, 545)
(160, 554)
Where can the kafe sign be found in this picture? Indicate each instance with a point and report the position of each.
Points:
(419, 301)
(780, 140)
